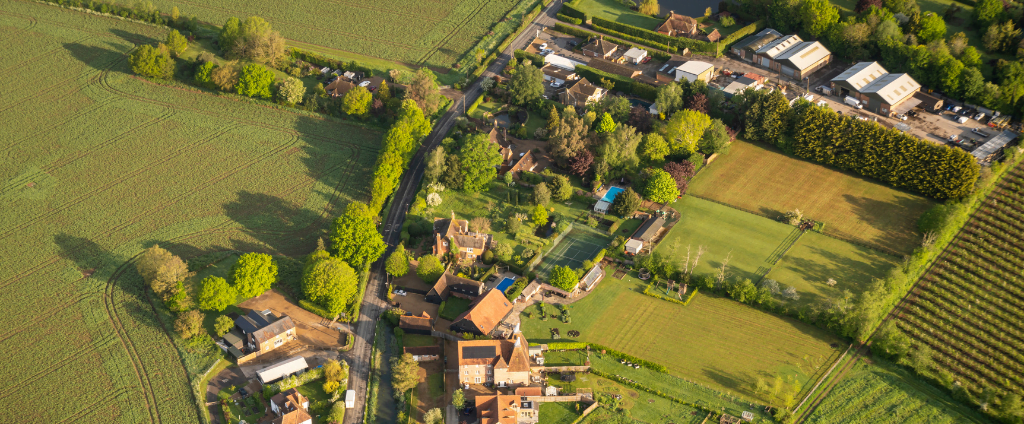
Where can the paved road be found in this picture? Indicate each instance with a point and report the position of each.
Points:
(374, 301)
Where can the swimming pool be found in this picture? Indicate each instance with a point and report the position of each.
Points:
(505, 284)
(612, 192)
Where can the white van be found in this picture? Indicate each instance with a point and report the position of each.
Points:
(350, 399)
(961, 119)
(853, 102)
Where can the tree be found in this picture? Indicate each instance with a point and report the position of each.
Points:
(619, 150)
(606, 125)
(357, 102)
(987, 12)
(189, 324)
(435, 165)
(561, 188)
(890, 342)
(254, 273)
(684, 130)
(424, 91)
(650, 7)
(660, 187)
(541, 194)
(580, 164)
(161, 270)
(291, 90)
(252, 39)
(767, 115)
(818, 16)
(564, 277)
(932, 28)
(698, 103)
(452, 177)
(970, 57)
(215, 294)
(433, 416)
(526, 84)
(503, 251)
(458, 399)
(653, 148)
(864, 5)
(176, 43)
(480, 225)
(398, 263)
(626, 203)
(641, 119)
(478, 159)
(540, 215)
(714, 139)
(681, 173)
(404, 373)
(228, 33)
(569, 138)
(669, 99)
(430, 269)
(331, 283)
(333, 371)
(887, 30)
(152, 62)
(225, 76)
(223, 325)
(355, 237)
(256, 81)
(553, 120)
(175, 14)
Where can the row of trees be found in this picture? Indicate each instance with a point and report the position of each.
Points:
(400, 143)
(864, 147)
(470, 166)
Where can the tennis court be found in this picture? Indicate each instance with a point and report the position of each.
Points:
(581, 244)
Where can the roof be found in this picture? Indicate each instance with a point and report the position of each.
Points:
(530, 289)
(234, 338)
(735, 87)
(649, 228)
(297, 416)
(485, 312)
(602, 46)
(497, 409)
(499, 353)
(529, 391)
(758, 40)
(635, 53)
(254, 320)
(928, 101)
(423, 350)
(679, 23)
(804, 55)
(861, 74)
(289, 400)
(634, 244)
(557, 72)
(993, 145)
(561, 62)
(695, 67)
(441, 288)
(286, 367)
(475, 241)
(549, 287)
(339, 87)
(714, 36)
(580, 92)
(411, 322)
(613, 68)
(593, 275)
(891, 88)
(779, 45)
(273, 330)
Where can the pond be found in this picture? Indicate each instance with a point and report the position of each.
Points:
(503, 120)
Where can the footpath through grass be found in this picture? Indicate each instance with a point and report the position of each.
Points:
(763, 181)
(712, 341)
(97, 165)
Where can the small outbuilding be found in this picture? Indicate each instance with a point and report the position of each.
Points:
(635, 55)
(695, 70)
(275, 372)
(633, 247)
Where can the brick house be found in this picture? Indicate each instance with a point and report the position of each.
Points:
(451, 285)
(506, 409)
(679, 26)
(484, 314)
(454, 233)
(581, 94)
(262, 331)
(600, 48)
(291, 407)
(501, 362)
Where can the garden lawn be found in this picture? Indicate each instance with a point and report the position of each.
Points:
(560, 412)
(755, 178)
(712, 341)
(534, 122)
(416, 340)
(484, 107)
(615, 11)
(816, 258)
(453, 307)
(641, 405)
(750, 241)
(98, 165)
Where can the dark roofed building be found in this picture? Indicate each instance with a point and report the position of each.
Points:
(261, 331)
(505, 363)
(581, 94)
(485, 312)
(450, 284)
(614, 68)
(649, 229)
(600, 48)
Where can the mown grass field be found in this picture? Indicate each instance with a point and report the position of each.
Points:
(615, 11)
(712, 341)
(97, 165)
(433, 33)
(876, 394)
(755, 178)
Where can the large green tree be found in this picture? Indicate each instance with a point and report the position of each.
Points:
(653, 148)
(435, 165)
(987, 12)
(626, 203)
(429, 268)
(818, 16)
(563, 277)
(357, 102)
(222, 325)
(404, 373)
(176, 43)
(424, 91)
(714, 139)
(161, 270)
(569, 138)
(669, 99)
(478, 158)
(606, 124)
(291, 90)
(526, 84)
(540, 215)
(619, 150)
(152, 62)
(330, 283)
(189, 324)
(767, 116)
(561, 188)
(215, 294)
(541, 194)
(252, 39)
(355, 238)
(398, 263)
(254, 273)
(660, 187)
(256, 81)
(932, 28)
(684, 130)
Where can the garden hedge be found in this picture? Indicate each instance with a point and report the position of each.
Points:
(566, 345)
(628, 358)
(566, 18)
(623, 84)
(537, 59)
(647, 291)
(638, 40)
(678, 42)
(573, 12)
(740, 34)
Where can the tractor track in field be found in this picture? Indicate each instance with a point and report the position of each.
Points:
(88, 409)
(444, 42)
(52, 366)
(49, 313)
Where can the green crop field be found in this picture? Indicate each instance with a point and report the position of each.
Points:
(712, 341)
(875, 394)
(98, 164)
(433, 33)
(755, 178)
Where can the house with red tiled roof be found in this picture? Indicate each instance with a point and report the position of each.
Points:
(484, 314)
(506, 409)
(600, 48)
(452, 285)
(504, 363)
(291, 407)
(679, 26)
(454, 234)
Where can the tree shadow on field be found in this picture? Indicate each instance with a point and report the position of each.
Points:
(896, 236)
(95, 57)
(88, 256)
(282, 225)
(134, 38)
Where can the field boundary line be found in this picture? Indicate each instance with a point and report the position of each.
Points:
(824, 377)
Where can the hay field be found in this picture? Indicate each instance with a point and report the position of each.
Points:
(96, 165)
(713, 341)
(417, 32)
(763, 181)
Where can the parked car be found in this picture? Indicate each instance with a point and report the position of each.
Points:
(556, 84)
(956, 109)
(979, 116)
(400, 292)
(980, 132)
(960, 119)
(953, 138)
(572, 43)
(543, 46)
(646, 59)
(548, 51)
(901, 117)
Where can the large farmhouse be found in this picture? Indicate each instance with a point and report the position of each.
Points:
(879, 91)
(484, 314)
(453, 234)
(504, 363)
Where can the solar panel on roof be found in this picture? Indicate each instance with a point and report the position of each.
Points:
(478, 352)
